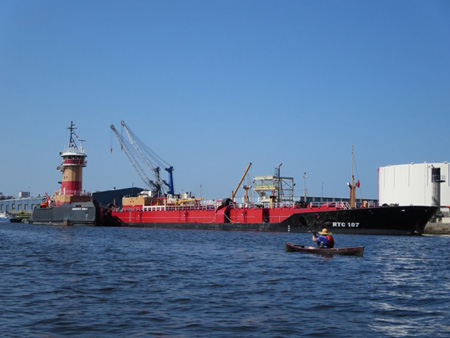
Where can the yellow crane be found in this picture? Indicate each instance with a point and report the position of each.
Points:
(233, 194)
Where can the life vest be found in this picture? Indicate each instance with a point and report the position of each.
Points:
(327, 242)
(330, 241)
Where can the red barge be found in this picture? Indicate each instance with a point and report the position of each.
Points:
(340, 217)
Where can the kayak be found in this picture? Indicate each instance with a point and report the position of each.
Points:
(355, 251)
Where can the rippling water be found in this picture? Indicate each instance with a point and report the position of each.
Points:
(125, 282)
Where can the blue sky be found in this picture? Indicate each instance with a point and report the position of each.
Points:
(213, 85)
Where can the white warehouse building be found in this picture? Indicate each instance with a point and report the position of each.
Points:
(414, 184)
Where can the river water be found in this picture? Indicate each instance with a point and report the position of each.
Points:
(129, 282)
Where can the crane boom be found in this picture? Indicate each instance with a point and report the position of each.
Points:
(233, 195)
(140, 154)
(150, 184)
(158, 182)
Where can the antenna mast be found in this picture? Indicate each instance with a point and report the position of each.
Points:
(72, 132)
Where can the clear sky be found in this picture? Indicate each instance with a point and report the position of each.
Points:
(213, 85)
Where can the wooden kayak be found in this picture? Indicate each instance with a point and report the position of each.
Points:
(355, 251)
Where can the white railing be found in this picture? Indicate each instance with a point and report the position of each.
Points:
(175, 207)
(261, 205)
(203, 206)
(76, 150)
(75, 192)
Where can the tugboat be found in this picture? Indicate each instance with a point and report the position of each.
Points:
(69, 205)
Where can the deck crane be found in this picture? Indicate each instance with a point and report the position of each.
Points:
(233, 194)
(147, 181)
(152, 161)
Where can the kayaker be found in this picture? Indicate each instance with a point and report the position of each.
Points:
(325, 240)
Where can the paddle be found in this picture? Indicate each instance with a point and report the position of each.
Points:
(303, 222)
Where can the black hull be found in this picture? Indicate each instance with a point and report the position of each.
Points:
(391, 220)
(80, 213)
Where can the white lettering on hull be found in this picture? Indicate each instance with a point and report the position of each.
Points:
(345, 224)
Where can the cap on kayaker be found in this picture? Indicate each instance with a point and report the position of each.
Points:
(325, 232)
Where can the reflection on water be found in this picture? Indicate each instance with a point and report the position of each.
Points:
(411, 290)
(113, 282)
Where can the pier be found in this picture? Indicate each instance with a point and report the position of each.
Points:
(21, 207)
(439, 224)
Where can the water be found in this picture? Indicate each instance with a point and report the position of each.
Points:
(117, 282)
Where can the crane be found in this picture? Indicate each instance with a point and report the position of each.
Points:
(233, 194)
(150, 159)
(147, 181)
